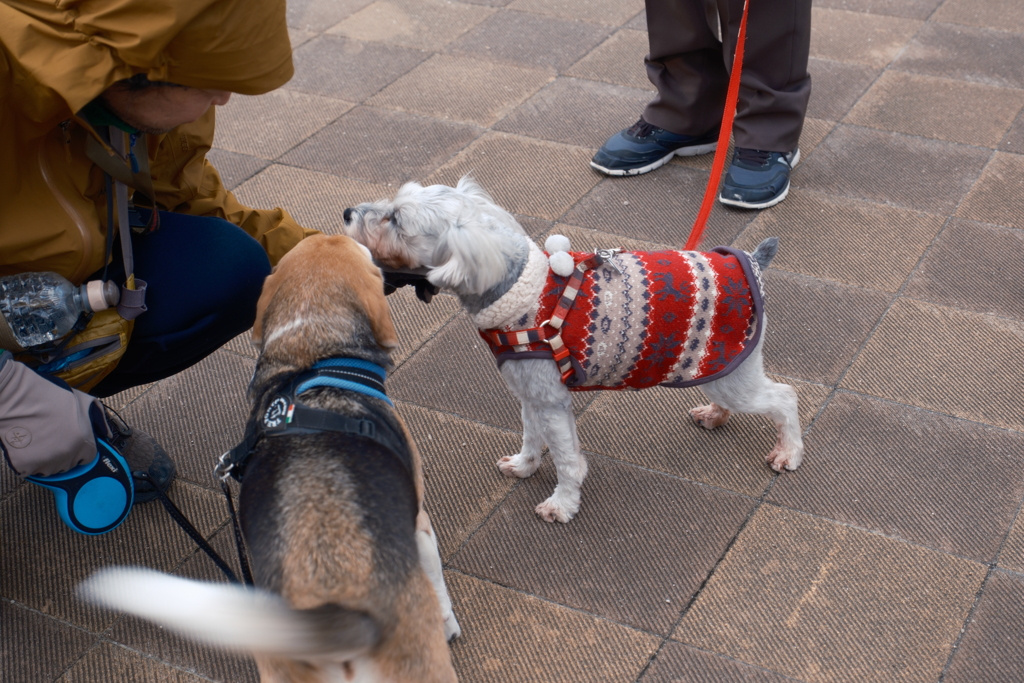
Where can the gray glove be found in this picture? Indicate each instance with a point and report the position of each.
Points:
(46, 427)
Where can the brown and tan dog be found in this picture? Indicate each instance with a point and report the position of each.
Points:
(349, 578)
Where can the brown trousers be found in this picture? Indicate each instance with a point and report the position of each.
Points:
(690, 67)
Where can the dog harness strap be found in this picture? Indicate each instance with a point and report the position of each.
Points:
(558, 316)
(352, 374)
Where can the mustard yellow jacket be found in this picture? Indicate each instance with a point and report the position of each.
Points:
(58, 55)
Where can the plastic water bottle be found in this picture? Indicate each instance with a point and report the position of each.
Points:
(41, 307)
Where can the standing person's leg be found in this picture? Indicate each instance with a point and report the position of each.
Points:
(204, 277)
(774, 91)
(685, 64)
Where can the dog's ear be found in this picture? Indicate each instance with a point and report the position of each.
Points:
(369, 291)
(472, 259)
(377, 311)
(270, 287)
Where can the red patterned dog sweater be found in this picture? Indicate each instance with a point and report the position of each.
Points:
(670, 318)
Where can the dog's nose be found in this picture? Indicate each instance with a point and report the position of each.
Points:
(347, 215)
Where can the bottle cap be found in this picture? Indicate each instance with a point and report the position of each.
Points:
(102, 294)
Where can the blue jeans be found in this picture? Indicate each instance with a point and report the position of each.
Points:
(205, 276)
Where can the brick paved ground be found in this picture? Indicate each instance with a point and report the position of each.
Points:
(897, 311)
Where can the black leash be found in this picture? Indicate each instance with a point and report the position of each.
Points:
(178, 516)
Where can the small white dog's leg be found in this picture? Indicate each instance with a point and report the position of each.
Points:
(748, 390)
(710, 416)
(548, 418)
(430, 560)
(525, 462)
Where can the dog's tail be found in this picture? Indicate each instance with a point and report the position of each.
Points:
(765, 252)
(234, 617)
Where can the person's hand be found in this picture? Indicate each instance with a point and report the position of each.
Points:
(46, 427)
(425, 291)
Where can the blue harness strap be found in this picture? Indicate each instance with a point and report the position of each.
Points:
(352, 374)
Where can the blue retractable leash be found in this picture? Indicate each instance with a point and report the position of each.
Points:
(93, 498)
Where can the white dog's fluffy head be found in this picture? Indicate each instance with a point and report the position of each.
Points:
(458, 232)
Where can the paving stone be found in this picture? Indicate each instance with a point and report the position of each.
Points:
(639, 22)
(677, 663)
(320, 15)
(109, 662)
(619, 60)
(197, 414)
(611, 561)
(1012, 555)
(973, 266)
(36, 647)
(610, 12)
(315, 200)
(268, 125)
(1014, 139)
(586, 239)
(524, 176)
(991, 649)
(913, 9)
(1002, 15)
(998, 196)
(576, 112)
(533, 226)
(654, 430)
(530, 40)
(844, 240)
(242, 345)
(890, 168)
(451, 373)
(461, 88)
(947, 484)
(9, 481)
(419, 24)
(416, 322)
(815, 328)
(971, 54)
(917, 357)
(804, 597)
(334, 66)
(51, 560)
(510, 636)
(836, 86)
(157, 642)
(840, 35)
(234, 169)
(298, 36)
(657, 207)
(459, 464)
(382, 146)
(938, 108)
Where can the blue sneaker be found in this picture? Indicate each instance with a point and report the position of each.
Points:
(644, 147)
(757, 179)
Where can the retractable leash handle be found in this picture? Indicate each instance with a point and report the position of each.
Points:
(94, 498)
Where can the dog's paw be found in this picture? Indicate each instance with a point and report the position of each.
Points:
(710, 416)
(785, 458)
(553, 510)
(518, 465)
(452, 630)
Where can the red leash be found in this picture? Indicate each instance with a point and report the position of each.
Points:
(697, 231)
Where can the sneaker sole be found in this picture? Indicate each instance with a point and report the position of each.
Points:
(695, 150)
(772, 201)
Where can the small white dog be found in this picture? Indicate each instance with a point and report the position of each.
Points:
(639, 319)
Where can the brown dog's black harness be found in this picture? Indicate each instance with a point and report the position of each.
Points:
(285, 415)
